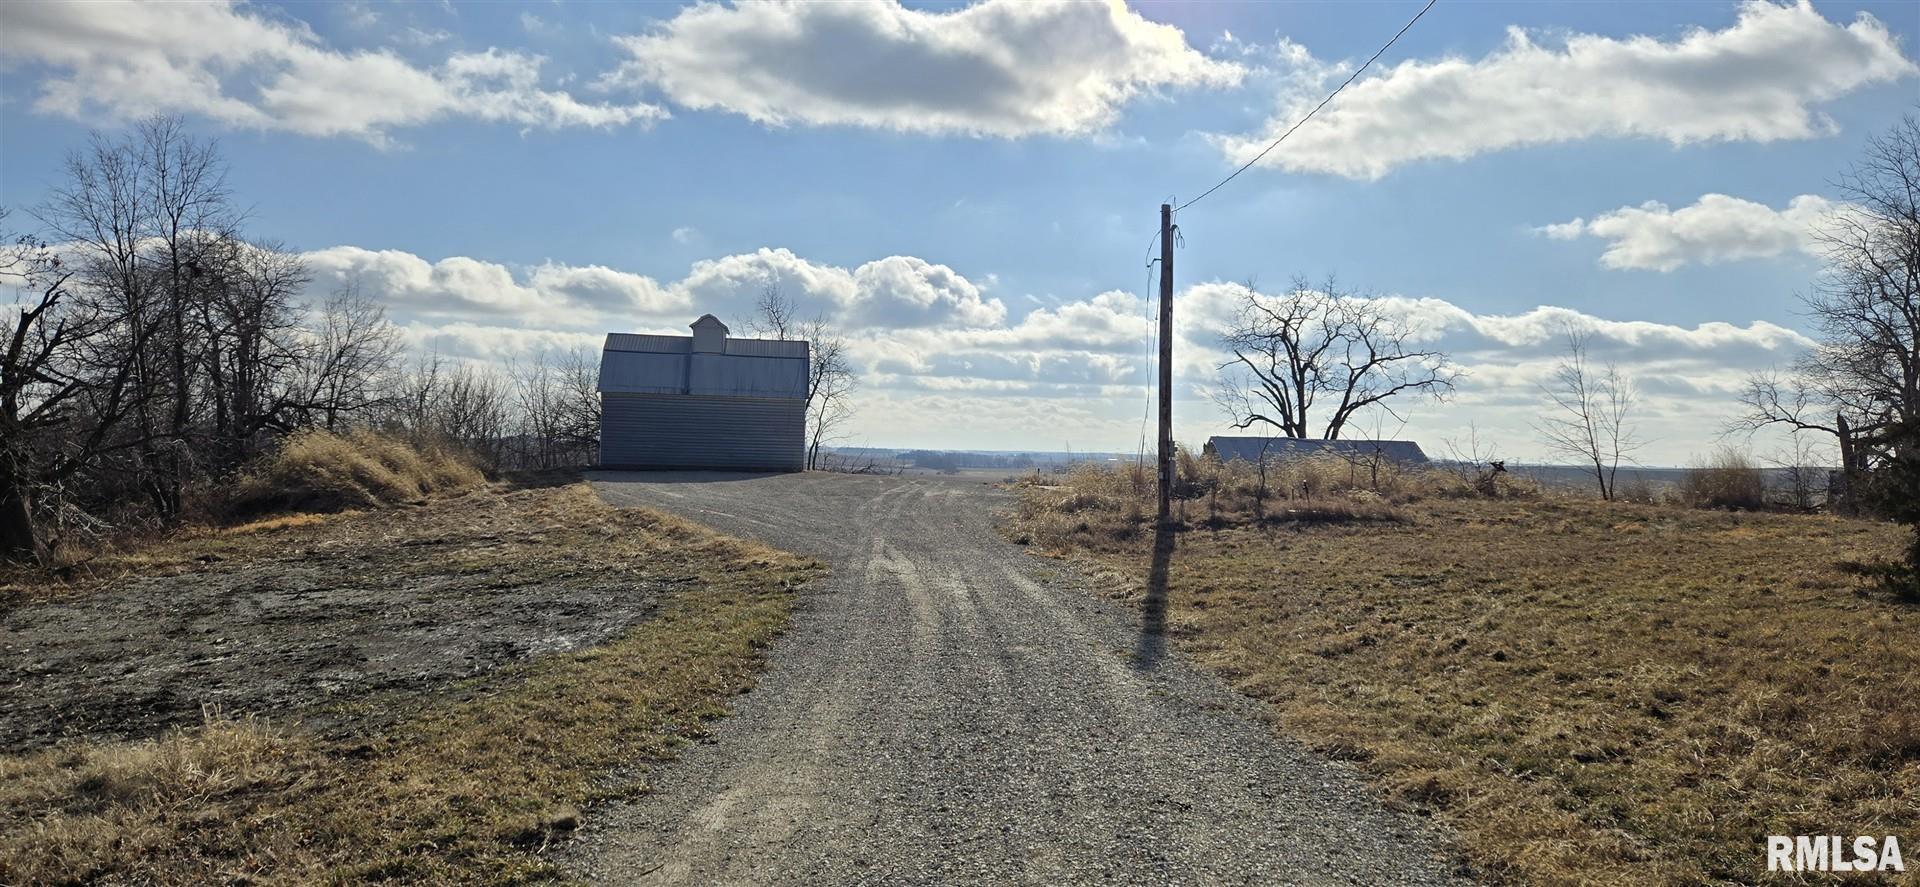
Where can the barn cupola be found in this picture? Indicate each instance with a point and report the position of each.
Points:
(709, 335)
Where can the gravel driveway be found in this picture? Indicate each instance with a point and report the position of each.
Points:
(949, 709)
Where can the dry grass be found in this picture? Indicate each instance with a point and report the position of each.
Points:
(322, 471)
(466, 791)
(1112, 508)
(1728, 479)
(309, 476)
(1585, 692)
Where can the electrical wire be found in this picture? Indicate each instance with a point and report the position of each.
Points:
(1316, 109)
(1153, 348)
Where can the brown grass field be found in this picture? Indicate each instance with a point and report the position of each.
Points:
(1584, 692)
(466, 784)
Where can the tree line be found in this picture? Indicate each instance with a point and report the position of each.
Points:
(154, 348)
(1306, 362)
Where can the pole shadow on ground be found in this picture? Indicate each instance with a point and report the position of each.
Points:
(1153, 610)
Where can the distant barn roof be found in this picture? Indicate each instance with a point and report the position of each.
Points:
(649, 344)
(1251, 448)
(634, 363)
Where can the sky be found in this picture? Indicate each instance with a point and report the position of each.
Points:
(968, 192)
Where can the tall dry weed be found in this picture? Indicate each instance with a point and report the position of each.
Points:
(324, 471)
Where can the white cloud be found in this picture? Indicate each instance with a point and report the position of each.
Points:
(616, 293)
(897, 291)
(685, 235)
(891, 293)
(1000, 67)
(413, 36)
(463, 288)
(536, 25)
(903, 291)
(930, 349)
(243, 68)
(737, 279)
(359, 14)
(497, 344)
(1716, 228)
(1756, 80)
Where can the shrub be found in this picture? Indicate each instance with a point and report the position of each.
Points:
(1728, 479)
(323, 471)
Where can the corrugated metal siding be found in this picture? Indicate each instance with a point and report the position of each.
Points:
(767, 347)
(729, 375)
(654, 344)
(691, 431)
(641, 364)
(636, 372)
(684, 344)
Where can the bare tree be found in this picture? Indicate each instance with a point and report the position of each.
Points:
(102, 215)
(830, 382)
(1476, 462)
(536, 396)
(352, 353)
(156, 347)
(1800, 480)
(60, 401)
(1861, 383)
(579, 392)
(256, 345)
(1590, 420)
(1321, 348)
(830, 376)
(774, 315)
(557, 400)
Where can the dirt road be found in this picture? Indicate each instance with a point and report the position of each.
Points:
(950, 709)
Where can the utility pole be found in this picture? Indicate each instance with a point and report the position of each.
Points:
(1166, 360)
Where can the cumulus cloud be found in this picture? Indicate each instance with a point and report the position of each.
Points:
(921, 334)
(1540, 334)
(244, 68)
(1000, 67)
(890, 293)
(494, 344)
(1759, 79)
(1208, 309)
(603, 289)
(1716, 228)
(462, 287)
(897, 291)
(902, 291)
(736, 279)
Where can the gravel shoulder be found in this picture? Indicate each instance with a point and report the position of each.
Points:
(947, 708)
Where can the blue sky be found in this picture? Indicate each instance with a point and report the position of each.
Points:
(958, 186)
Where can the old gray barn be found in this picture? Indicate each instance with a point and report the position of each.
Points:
(703, 401)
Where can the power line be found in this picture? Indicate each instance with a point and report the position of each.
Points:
(1316, 109)
(1146, 408)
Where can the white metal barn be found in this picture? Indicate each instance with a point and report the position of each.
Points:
(703, 401)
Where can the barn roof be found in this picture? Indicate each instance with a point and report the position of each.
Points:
(634, 363)
(1251, 448)
(650, 344)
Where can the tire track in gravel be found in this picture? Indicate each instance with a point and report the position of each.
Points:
(946, 709)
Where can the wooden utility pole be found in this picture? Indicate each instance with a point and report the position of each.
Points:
(1166, 360)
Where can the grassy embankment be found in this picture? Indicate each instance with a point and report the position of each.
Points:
(1584, 692)
(471, 785)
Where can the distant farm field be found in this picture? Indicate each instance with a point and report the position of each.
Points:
(1585, 692)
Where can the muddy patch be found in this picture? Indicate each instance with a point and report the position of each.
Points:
(341, 628)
